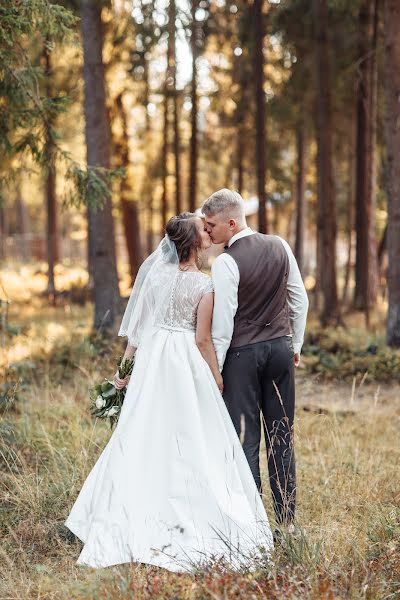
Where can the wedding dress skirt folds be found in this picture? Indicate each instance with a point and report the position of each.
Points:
(172, 487)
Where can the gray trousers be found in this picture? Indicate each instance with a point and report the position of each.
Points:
(259, 384)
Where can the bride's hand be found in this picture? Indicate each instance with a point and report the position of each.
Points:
(120, 383)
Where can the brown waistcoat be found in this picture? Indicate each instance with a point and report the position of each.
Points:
(262, 312)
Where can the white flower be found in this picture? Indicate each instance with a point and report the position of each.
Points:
(100, 402)
(112, 411)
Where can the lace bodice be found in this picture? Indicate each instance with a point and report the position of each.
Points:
(187, 290)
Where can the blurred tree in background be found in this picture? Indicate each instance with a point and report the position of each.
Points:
(392, 85)
(284, 100)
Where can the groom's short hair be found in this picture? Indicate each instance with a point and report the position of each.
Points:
(225, 201)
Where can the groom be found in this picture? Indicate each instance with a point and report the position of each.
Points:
(260, 311)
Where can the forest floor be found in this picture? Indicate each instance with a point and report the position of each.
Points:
(347, 451)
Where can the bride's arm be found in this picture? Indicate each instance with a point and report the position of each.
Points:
(129, 353)
(203, 336)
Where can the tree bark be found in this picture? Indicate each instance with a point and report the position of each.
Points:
(301, 144)
(350, 202)
(382, 248)
(22, 218)
(258, 62)
(366, 273)
(326, 223)
(164, 166)
(129, 208)
(3, 231)
(107, 300)
(169, 88)
(194, 114)
(240, 165)
(147, 188)
(373, 280)
(392, 92)
(174, 93)
(50, 190)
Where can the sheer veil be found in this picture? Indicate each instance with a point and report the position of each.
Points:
(150, 292)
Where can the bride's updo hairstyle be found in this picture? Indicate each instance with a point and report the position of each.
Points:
(182, 230)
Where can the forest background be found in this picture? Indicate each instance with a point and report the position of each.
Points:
(115, 116)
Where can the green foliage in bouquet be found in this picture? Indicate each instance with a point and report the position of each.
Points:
(106, 400)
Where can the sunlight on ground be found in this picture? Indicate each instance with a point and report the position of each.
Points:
(21, 284)
(41, 326)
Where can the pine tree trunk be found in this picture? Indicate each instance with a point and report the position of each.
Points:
(194, 114)
(174, 93)
(164, 166)
(301, 144)
(350, 203)
(240, 152)
(130, 219)
(51, 229)
(382, 248)
(3, 231)
(169, 87)
(373, 280)
(258, 62)
(366, 274)
(326, 223)
(50, 190)
(177, 153)
(129, 209)
(240, 81)
(107, 300)
(147, 188)
(22, 217)
(392, 92)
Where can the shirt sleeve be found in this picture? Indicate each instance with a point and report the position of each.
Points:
(225, 275)
(297, 299)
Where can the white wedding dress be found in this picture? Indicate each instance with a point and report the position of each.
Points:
(172, 487)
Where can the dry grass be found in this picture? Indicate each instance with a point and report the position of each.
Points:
(347, 445)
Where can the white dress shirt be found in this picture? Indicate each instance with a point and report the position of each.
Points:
(226, 277)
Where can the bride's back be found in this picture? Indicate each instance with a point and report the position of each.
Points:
(183, 291)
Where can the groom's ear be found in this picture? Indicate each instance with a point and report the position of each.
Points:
(232, 223)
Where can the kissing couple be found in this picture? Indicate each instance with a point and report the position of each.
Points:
(178, 484)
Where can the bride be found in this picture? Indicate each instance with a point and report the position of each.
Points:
(172, 487)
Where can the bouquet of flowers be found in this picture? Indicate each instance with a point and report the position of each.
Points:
(106, 400)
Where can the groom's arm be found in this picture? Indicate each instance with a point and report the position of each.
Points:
(225, 275)
(297, 299)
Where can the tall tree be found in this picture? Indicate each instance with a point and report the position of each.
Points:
(392, 92)
(175, 98)
(23, 221)
(147, 187)
(366, 273)
(24, 110)
(164, 159)
(241, 81)
(258, 62)
(3, 230)
(195, 41)
(301, 151)
(351, 157)
(326, 220)
(129, 207)
(100, 222)
(50, 182)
